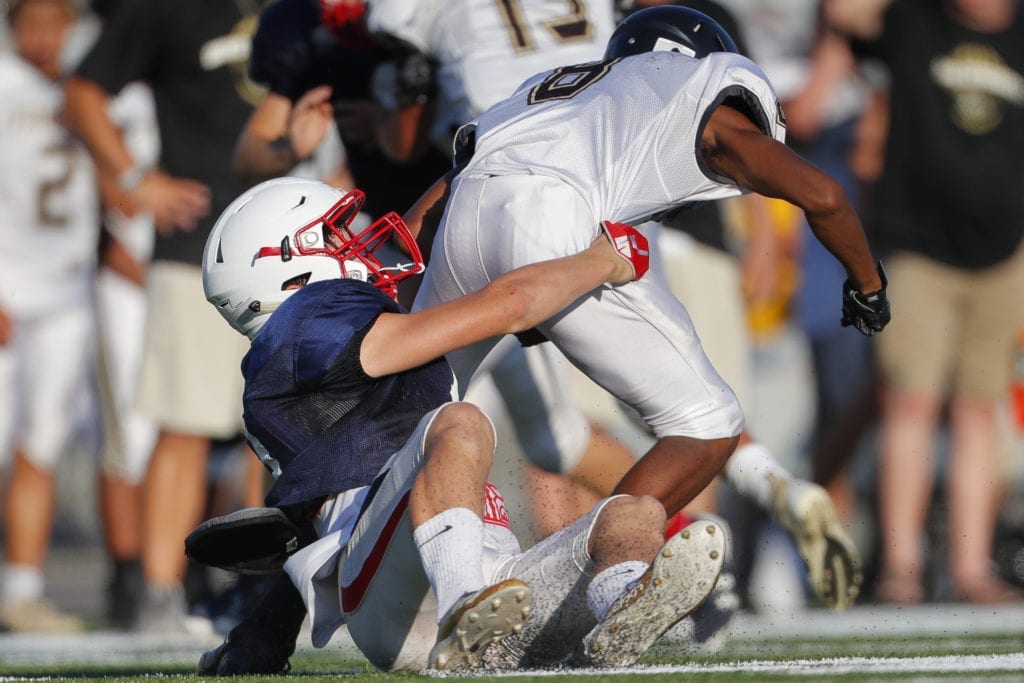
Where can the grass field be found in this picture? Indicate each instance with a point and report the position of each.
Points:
(934, 642)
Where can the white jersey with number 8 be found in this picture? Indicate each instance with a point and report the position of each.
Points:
(638, 157)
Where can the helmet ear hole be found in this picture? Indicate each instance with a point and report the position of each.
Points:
(296, 282)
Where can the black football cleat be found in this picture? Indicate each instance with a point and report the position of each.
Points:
(248, 541)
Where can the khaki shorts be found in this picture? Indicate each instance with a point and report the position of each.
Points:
(191, 378)
(952, 330)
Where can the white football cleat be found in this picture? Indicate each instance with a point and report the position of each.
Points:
(710, 621)
(479, 620)
(679, 579)
(806, 511)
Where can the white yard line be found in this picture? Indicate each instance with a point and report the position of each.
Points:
(817, 667)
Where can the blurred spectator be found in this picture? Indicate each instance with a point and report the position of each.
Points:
(49, 221)
(193, 54)
(949, 209)
(317, 60)
(129, 435)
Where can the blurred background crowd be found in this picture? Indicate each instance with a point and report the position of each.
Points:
(126, 126)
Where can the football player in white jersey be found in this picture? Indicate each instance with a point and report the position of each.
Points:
(670, 117)
(462, 37)
(49, 226)
(483, 51)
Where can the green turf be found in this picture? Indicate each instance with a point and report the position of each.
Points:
(741, 660)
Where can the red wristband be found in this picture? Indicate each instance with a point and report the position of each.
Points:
(631, 245)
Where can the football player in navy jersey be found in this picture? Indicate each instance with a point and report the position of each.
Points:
(349, 402)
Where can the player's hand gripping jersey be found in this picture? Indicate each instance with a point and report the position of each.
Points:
(638, 158)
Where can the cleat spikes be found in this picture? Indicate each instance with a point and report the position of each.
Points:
(478, 621)
(679, 579)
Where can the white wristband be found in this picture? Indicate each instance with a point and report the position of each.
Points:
(131, 179)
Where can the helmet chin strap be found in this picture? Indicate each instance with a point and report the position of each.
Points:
(402, 267)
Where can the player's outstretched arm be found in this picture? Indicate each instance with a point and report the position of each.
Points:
(736, 148)
(516, 301)
(279, 134)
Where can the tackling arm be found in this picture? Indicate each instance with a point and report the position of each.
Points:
(516, 301)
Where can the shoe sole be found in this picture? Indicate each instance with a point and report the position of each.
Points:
(247, 541)
(818, 532)
(680, 578)
(494, 614)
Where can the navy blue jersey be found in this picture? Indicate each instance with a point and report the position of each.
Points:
(328, 425)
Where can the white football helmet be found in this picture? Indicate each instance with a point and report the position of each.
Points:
(289, 231)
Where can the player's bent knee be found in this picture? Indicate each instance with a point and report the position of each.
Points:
(722, 419)
(465, 416)
(643, 509)
(465, 425)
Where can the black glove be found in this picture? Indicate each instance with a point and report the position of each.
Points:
(869, 313)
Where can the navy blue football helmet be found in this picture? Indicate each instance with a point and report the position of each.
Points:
(669, 28)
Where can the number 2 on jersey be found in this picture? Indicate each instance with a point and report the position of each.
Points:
(51, 205)
(572, 26)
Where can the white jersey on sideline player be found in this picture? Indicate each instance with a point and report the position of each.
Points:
(48, 227)
(48, 203)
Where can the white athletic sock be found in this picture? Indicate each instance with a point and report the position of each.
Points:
(748, 469)
(610, 583)
(21, 582)
(451, 546)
